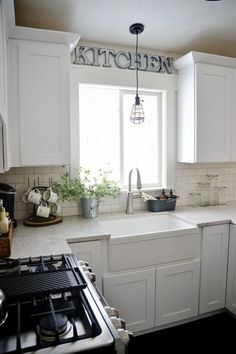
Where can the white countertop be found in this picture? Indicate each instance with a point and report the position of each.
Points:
(35, 241)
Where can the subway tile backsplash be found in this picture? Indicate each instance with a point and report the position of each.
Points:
(187, 177)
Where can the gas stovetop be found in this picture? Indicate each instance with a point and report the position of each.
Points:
(48, 305)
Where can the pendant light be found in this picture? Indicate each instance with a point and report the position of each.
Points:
(137, 113)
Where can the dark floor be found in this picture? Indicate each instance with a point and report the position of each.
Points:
(215, 334)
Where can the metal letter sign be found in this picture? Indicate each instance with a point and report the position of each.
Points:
(121, 59)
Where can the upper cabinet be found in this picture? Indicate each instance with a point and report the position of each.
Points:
(4, 147)
(40, 103)
(206, 108)
(39, 96)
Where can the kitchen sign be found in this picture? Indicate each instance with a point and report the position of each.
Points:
(108, 58)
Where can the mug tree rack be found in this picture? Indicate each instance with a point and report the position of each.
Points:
(35, 220)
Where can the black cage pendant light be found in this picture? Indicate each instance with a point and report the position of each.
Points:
(137, 113)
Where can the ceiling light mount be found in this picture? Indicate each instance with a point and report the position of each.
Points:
(136, 28)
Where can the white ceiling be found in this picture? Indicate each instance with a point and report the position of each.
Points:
(175, 26)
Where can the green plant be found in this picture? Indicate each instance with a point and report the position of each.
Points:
(86, 185)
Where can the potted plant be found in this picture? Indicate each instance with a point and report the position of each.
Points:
(88, 188)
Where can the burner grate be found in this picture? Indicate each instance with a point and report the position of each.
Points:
(17, 286)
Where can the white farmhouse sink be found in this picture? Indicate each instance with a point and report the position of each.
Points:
(146, 224)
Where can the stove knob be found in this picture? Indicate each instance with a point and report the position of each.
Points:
(89, 269)
(84, 268)
(125, 335)
(118, 322)
(82, 263)
(91, 276)
(111, 311)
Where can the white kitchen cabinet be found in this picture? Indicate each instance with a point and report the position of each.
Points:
(90, 252)
(177, 292)
(132, 294)
(40, 109)
(153, 297)
(154, 280)
(214, 267)
(206, 108)
(4, 138)
(231, 278)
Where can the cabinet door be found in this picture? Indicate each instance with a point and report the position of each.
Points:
(4, 135)
(1, 62)
(214, 111)
(133, 295)
(90, 252)
(233, 127)
(177, 289)
(214, 267)
(231, 280)
(44, 113)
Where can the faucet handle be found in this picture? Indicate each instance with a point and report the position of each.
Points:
(139, 184)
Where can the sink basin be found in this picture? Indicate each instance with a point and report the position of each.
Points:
(146, 224)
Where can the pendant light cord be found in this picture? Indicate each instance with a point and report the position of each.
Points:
(136, 61)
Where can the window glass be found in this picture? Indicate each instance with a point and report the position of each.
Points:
(109, 140)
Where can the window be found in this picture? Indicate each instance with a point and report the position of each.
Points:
(108, 138)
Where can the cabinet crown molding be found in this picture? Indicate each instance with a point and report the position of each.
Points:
(199, 57)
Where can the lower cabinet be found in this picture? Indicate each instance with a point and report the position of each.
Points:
(153, 297)
(214, 258)
(177, 289)
(133, 294)
(90, 252)
(231, 280)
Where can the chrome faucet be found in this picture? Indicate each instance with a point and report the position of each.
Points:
(131, 195)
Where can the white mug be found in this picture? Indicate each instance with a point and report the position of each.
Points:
(35, 196)
(50, 196)
(43, 210)
(24, 197)
(55, 208)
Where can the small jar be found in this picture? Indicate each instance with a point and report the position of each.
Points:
(195, 199)
(214, 196)
(213, 180)
(204, 190)
(222, 195)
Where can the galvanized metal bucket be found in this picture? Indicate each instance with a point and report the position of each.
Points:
(90, 207)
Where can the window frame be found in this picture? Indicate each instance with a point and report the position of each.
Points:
(168, 84)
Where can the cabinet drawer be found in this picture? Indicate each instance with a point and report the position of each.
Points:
(137, 254)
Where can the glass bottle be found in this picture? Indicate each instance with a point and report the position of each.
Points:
(214, 189)
(204, 190)
(222, 195)
(4, 222)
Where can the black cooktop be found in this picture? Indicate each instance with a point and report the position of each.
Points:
(46, 304)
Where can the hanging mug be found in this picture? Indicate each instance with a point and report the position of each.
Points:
(50, 196)
(55, 208)
(35, 196)
(43, 210)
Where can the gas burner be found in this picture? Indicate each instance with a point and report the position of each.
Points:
(47, 327)
(42, 268)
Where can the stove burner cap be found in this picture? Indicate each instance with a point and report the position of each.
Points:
(48, 328)
(41, 268)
